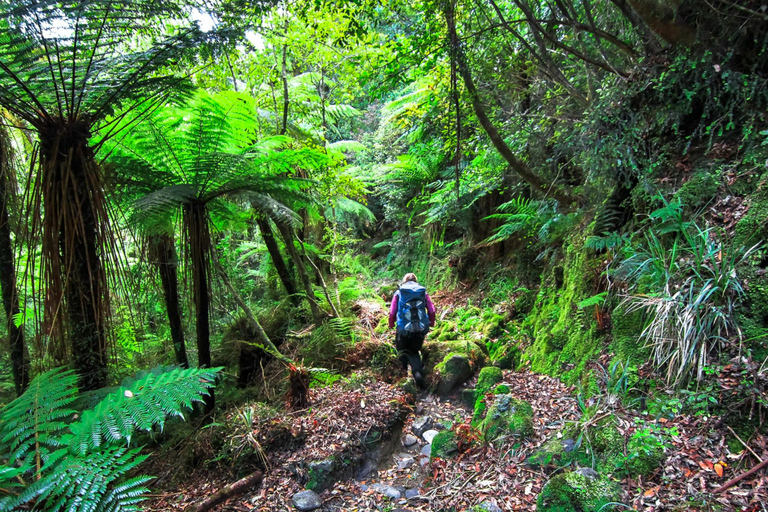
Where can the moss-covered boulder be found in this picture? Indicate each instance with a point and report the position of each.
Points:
(488, 378)
(506, 357)
(507, 416)
(453, 371)
(583, 490)
(320, 473)
(444, 445)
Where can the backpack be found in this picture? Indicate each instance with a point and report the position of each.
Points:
(412, 309)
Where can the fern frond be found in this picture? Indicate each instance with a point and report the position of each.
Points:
(35, 420)
(141, 406)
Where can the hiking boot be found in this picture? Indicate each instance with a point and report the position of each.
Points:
(419, 378)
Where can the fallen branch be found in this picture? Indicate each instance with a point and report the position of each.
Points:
(223, 494)
(731, 483)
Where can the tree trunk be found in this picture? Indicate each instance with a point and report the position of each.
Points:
(200, 251)
(520, 167)
(163, 252)
(288, 238)
(74, 229)
(274, 252)
(19, 359)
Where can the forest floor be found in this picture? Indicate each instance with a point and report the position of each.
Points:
(352, 444)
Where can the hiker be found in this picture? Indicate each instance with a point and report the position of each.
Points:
(413, 313)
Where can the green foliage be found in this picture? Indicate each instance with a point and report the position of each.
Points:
(685, 280)
(71, 462)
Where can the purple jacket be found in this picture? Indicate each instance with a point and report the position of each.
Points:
(393, 310)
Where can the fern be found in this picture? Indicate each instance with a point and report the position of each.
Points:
(57, 461)
(592, 301)
(605, 242)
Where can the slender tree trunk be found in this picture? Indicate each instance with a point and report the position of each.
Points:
(274, 252)
(200, 250)
(650, 45)
(284, 77)
(520, 167)
(73, 231)
(288, 238)
(19, 359)
(163, 251)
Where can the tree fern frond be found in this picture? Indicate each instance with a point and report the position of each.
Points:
(141, 406)
(36, 418)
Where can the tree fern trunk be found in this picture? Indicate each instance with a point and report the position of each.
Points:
(163, 251)
(73, 231)
(19, 359)
(274, 252)
(199, 247)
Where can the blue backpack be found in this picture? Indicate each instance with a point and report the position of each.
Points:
(412, 309)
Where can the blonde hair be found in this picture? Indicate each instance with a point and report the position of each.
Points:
(410, 276)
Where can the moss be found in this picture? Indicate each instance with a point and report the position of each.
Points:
(578, 492)
(444, 445)
(492, 324)
(455, 369)
(479, 411)
(626, 331)
(501, 389)
(700, 188)
(382, 327)
(436, 351)
(565, 338)
(507, 417)
(320, 473)
(488, 378)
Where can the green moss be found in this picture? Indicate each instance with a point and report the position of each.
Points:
(492, 324)
(436, 351)
(565, 338)
(488, 378)
(507, 417)
(454, 370)
(479, 411)
(626, 331)
(577, 492)
(444, 445)
(501, 389)
(700, 188)
(320, 473)
(382, 327)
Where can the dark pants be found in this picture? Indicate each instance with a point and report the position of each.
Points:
(408, 346)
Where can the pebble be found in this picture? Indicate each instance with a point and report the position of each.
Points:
(405, 462)
(386, 490)
(410, 440)
(489, 506)
(306, 500)
(412, 494)
(421, 425)
(429, 435)
(426, 450)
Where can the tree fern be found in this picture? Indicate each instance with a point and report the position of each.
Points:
(58, 461)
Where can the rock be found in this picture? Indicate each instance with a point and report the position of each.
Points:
(426, 449)
(444, 445)
(507, 417)
(411, 494)
(405, 462)
(487, 380)
(588, 472)
(410, 440)
(306, 500)
(429, 435)
(421, 425)
(319, 474)
(468, 397)
(488, 506)
(569, 445)
(574, 491)
(454, 370)
(386, 490)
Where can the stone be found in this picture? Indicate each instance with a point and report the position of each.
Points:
(588, 472)
(488, 378)
(569, 445)
(454, 370)
(421, 425)
(429, 435)
(319, 474)
(410, 440)
(507, 416)
(489, 506)
(386, 490)
(468, 397)
(444, 445)
(426, 449)
(306, 500)
(405, 462)
(411, 494)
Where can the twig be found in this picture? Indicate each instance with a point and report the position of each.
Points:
(223, 494)
(734, 481)
(742, 442)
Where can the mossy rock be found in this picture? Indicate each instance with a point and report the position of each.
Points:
(507, 416)
(382, 327)
(578, 491)
(453, 371)
(320, 474)
(468, 397)
(444, 445)
(435, 352)
(502, 389)
(488, 378)
(507, 357)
